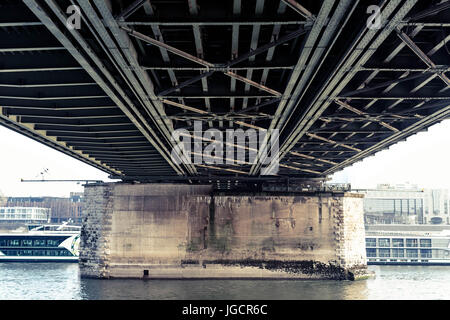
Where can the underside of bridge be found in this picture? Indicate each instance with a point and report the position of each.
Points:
(110, 92)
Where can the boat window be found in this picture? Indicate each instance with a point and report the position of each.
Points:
(13, 243)
(384, 242)
(50, 252)
(27, 243)
(411, 253)
(52, 243)
(411, 242)
(384, 252)
(65, 253)
(371, 242)
(39, 243)
(425, 253)
(371, 252)
(2, 243)
(398, 253)
(397, 243)
(425, 243)
(25, 252)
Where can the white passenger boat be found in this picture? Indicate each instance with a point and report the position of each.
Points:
(41, 243)
(408, 244)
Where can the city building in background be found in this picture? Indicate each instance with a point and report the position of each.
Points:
(62, 209)
(405, 204)
(24, 215)
(436, 206)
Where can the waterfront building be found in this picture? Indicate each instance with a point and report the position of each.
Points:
(436, 205)
(24, 214)
(405, 204)
(62, 209)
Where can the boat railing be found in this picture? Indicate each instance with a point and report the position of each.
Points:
(54, 228)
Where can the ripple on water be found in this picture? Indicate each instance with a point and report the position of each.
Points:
(62, 281)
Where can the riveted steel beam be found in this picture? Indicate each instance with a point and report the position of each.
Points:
(359, 112)
(197, 60)
(297, 7)
(341, 76)
(217, 23)
(418, 126)
(306, 66)
(422, 55)
(433, 10)
(130, 9)
(253, 45)
(75, 52)
(112, 36)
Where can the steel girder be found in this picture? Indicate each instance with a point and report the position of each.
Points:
(112, 93)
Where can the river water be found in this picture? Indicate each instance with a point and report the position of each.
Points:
(60, 281)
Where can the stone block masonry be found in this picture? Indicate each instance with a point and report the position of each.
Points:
(185, 231)
(96, 231)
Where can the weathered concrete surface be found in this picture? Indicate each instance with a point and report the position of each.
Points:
(180, 231)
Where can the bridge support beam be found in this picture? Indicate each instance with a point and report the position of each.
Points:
(187, 231)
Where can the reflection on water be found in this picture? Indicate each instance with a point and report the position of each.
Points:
(62, 281)
(410, 282)
(222, 289)
(39, 281)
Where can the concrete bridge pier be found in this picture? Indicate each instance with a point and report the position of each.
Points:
(171, 231)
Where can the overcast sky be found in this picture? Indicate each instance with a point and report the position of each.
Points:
(422, 159)
(22, 157)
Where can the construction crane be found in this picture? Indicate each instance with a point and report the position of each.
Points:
(44, 171)
(61, 180)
